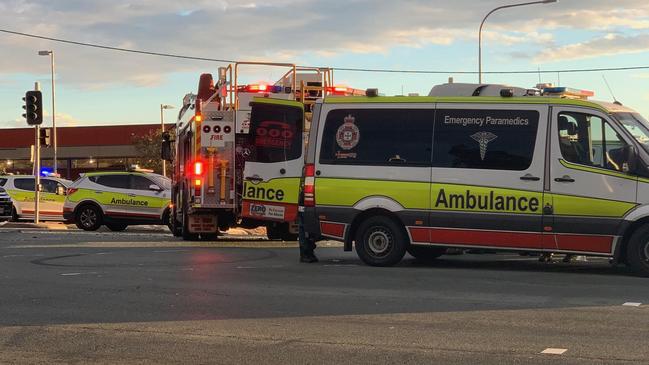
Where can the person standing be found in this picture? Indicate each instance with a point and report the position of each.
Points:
(307, 244)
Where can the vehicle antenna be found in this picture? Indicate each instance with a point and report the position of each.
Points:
(610, 90)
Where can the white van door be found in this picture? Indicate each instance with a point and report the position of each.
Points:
(589, 191)
(274, 158)
(487, 177)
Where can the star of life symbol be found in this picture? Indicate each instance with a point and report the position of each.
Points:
(483, 138)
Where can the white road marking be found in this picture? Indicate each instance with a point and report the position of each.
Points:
(71, 274)
(553, 351)
(168, 251)
(246, 267)
(632, 304)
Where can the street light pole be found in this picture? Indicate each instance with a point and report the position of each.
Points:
(162, 128)
(54, 139)
(485, 18)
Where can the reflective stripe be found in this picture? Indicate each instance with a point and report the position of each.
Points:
(468, 100)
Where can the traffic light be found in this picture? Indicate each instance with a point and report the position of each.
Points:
(44, 137)
(33, 107)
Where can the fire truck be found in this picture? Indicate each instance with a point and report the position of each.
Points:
(215, 139)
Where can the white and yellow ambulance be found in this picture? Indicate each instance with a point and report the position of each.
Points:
(118, 199)
(479, 166)
(21, 190)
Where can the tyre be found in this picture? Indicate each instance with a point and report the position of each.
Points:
(209, 236)
(273, 232)
(637, 251)
(14, 215)
(88, 218)
(380, 241)
(116, 227)
(425, 253)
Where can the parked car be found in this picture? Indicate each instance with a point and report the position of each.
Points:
(118, 199)
(21, 190)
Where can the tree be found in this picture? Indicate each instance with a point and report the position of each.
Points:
(148, 149)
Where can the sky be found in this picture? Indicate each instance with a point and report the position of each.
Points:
(101, 87)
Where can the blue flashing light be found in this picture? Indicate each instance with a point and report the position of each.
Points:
(46, 172)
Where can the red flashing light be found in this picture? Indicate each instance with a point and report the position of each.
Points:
(198, 168)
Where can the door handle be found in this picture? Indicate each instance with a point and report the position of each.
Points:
(564, 178)
(130, 194)
(98, 192)
(254, 178)
(530, 177)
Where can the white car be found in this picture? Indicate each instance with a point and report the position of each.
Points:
(118, 199)
(21, 190)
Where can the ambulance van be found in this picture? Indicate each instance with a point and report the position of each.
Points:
(482, 166)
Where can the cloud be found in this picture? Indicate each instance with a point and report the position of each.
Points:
(609, 45)
(277, 30)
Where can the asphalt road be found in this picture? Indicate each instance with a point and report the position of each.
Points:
(76, 297)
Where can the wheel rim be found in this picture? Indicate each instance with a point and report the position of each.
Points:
(645, 252)
(88, 217)
(379, 242)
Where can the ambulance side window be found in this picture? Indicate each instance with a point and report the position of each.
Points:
(114, 181)
(49, 186)
(589, 140)
(485, 139)
(378, 137)
(24, 184)
(140, 182)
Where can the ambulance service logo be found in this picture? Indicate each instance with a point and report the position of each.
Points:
(348, 134)
(483, 138)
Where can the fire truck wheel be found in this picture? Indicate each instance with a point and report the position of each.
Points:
(425, 253)
(88, 217)
(380, 241)
(116, 227)
(637, 251)
(209, 236)
(273, 231)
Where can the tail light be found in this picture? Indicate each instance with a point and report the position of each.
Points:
(198, 168)
(309, 185)
(71, 191)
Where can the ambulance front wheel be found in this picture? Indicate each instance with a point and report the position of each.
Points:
(88, 217)
(637, 251)
(380, 241)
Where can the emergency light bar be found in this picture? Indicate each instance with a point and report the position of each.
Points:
(261, 88)
(566, 92)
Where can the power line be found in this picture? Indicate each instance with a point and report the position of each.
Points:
(349, 69)
(94, 45)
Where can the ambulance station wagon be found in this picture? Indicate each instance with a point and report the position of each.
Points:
(118, 199)
(519, 170)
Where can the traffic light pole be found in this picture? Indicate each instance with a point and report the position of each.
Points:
(37, 173)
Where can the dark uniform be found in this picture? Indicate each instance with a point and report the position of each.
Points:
(307, 244)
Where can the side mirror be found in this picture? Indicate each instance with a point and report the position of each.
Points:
(166, 151)
(155, 187)
(630, 159)
(60, 190)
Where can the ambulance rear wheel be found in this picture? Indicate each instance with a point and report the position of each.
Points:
(380, 241)
(116, 227)
(425, 253)
(88, 218)
(637, 251)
